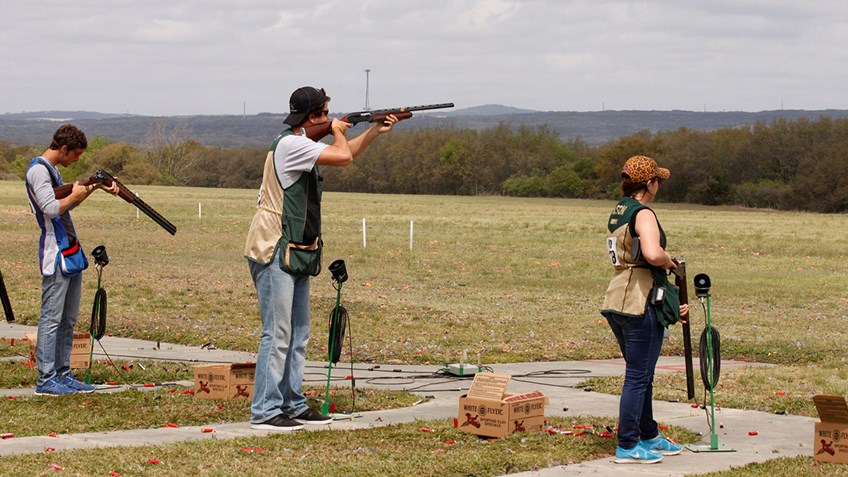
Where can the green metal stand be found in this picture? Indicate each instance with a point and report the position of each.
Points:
(714, 445)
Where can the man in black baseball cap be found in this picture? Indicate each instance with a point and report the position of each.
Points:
(283, 251)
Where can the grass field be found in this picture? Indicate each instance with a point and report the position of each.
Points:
(509, 279)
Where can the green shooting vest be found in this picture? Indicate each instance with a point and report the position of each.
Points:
(289, 218)
(632, 281)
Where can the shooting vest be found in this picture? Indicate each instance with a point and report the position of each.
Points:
(288, 218)
(632, 281)
(58, 246)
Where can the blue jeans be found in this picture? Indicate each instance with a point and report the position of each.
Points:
(640, 340)
(60, 302)
(281, 359)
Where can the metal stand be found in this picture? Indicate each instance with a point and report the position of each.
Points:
(338, 318)
(325, 408)
(714, 446)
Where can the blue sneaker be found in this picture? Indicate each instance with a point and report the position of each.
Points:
(636, 455)
(53, 388)
(662, 445)
(71, 381)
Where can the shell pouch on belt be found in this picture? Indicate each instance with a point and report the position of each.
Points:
(665, 297)
(72, 260)
(303, 259)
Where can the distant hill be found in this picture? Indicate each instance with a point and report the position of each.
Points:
(489, 110)
(59, 116)
(595, 127)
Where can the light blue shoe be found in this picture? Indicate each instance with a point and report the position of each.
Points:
(662, 445)
(636, 455)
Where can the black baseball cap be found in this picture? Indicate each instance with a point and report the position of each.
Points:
(302, 102)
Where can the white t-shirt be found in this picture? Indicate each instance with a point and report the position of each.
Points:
(294, 156)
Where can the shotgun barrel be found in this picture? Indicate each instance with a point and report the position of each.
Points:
(680, 282)
(102, 177)
(318, 131)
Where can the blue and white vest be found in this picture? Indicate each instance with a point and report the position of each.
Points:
(58, 246)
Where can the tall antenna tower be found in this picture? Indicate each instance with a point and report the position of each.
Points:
(367, 80)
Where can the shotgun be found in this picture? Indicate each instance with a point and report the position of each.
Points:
(318, 131)
(680, 282)
(102, 177)
(7, 304)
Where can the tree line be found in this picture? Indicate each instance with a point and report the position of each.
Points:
(797, 165)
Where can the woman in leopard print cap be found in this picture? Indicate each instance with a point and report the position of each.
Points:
(629, 312)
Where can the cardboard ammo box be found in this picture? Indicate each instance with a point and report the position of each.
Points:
(80, 353)
(224, 381)
(488, 410)
(830, 438)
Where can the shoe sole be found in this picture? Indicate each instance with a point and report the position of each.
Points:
(314, 423)
(54, 395)
(269, 427)
(637, 461)
(671, 452)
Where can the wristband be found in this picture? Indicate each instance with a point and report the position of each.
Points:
(339, 128)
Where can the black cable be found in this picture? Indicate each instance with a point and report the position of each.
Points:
(97, 328)
(338, 320)
(715, 340)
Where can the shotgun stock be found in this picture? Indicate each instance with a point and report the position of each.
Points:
(7, 304)
(102, 177)
(317, 132)
(680, 282)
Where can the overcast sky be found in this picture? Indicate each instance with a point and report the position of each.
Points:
(185, 57)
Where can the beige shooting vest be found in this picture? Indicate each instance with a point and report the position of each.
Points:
(267, 225)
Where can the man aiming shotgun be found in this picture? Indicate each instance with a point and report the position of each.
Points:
(283, 251)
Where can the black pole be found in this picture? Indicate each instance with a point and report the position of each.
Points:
(7, 304)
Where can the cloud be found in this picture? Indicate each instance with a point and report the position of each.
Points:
(193, 57)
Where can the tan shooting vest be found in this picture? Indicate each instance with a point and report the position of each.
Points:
(267, 225)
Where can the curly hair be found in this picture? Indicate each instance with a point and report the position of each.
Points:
(70, 136)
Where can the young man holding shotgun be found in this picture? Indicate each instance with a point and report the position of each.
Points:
(61, 258)
(283, 250)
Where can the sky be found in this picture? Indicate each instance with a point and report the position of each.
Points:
(189, 57)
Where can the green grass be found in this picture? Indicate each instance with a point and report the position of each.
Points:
(417, 448)
(142, 409)
(16, 374)
(509, 279)
(784, 467)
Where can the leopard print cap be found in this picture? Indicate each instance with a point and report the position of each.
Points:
(643, 169)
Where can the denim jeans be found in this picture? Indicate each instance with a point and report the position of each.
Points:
(60, 302)
(281, 359)
(640, 340)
